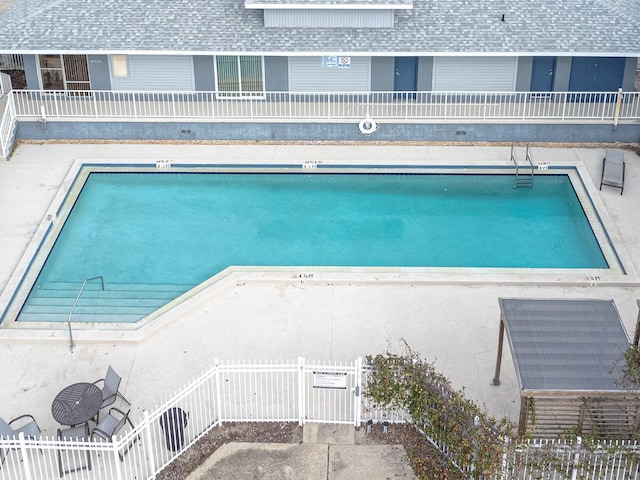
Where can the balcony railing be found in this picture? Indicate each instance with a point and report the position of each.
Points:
(611, 107)
(7, 116)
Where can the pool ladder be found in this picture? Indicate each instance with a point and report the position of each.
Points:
(524, 171)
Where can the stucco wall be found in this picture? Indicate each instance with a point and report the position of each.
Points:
(481, 132)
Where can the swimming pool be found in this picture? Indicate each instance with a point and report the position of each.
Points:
(152, 235)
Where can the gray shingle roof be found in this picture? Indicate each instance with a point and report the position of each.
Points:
(432, 27)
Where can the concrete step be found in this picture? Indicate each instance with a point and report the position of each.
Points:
(122, 303)
(328, 433)
(109, 287)
(83, 318)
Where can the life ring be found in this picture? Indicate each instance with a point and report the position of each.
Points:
(367, 126)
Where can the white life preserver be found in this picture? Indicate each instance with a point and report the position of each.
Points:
(367, 126)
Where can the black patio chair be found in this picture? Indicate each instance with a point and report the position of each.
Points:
(110, 389)
(111, 424)
(8, 432)
(77, 433)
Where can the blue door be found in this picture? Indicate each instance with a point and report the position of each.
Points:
(406, 74)
(542, 74)
(596, 74)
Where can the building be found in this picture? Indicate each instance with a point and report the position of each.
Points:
(249, 49)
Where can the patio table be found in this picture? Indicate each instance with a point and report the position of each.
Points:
(77, 404)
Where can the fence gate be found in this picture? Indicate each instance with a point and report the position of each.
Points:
(330, 392)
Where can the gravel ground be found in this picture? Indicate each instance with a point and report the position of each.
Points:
(426, 462)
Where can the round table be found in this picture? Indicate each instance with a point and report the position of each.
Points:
(77, 404)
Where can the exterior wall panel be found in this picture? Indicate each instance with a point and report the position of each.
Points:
(425, 74)
(157, 73)
(475, 74)
(307, 74)
(328, 18)
(525, 68)
(630, 67)
(382, 74)
(563, 71)
(31, 72)
(203, 75)
(99, 72)
(276, 74)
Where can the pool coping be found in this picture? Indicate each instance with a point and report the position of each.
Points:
(320, 275)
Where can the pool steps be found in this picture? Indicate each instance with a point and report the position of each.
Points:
(118, 303)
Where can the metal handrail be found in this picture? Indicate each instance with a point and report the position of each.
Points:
(514, 159)
(84, 284)
(528, 157)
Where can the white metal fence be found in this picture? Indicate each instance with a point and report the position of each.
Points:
(286, 106)
(572, 460)
(297, 391)
(8, 120)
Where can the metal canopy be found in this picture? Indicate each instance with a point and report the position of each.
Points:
(564, 345)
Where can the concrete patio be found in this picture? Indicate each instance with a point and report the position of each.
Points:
(452, 320)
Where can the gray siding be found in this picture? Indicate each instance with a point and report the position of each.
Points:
(562, 74)
(525, 69)
(382, 74)
(31, 72)
(157, 73)
(203, 76)
(475, 74)
(328, 18)
(99, 72)
(276, 74)
(306, 74)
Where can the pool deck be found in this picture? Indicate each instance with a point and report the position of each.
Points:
(452, 320)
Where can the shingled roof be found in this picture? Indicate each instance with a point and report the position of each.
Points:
(432, 27)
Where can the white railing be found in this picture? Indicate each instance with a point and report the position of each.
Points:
(289, 391)
(285, 106)
(11, 62)
(5, 83)
(8, 120)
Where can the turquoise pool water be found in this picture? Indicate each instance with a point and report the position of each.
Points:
(178, 229)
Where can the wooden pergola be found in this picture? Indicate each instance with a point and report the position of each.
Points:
(568, 356)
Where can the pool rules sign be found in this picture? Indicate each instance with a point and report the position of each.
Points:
(336, 380)
(336, 62)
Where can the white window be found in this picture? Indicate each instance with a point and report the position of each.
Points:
(239, 75)
(119, 66)
(64, 72)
